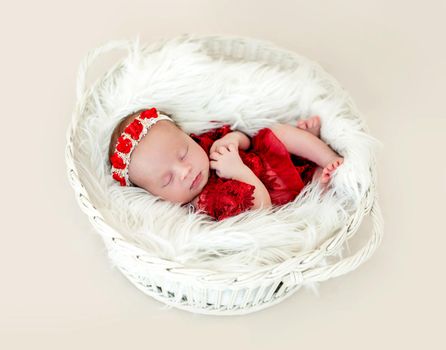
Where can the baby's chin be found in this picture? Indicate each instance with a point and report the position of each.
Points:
(206, 177)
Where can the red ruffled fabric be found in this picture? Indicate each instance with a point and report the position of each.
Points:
(283, 174)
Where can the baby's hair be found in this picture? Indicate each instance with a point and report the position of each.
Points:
(119, 129)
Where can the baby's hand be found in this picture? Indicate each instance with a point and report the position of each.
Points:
(225, 141)
(227, 162)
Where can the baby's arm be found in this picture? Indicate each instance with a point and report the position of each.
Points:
(261, 195)
(244, 141)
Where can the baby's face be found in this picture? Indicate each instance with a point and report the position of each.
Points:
(167, 161)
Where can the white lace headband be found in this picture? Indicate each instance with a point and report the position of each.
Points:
(129, 139)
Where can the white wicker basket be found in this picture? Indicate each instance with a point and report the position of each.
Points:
(206, 291)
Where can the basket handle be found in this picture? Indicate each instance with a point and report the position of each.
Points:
(88, 60)
(346, 264)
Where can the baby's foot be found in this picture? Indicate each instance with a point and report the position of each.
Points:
(312, 125)
(328, 170)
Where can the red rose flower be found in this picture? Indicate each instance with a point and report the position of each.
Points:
(150, 113)
(134, 129)
(117, 161)
(119, 178)
(124, 145)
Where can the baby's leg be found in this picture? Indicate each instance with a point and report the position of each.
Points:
(303, 143)
(312, 125)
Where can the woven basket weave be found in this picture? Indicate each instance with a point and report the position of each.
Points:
(206, 291)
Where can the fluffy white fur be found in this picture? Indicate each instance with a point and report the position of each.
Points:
(182, 79)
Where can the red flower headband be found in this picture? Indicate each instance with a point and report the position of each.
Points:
(129, 139)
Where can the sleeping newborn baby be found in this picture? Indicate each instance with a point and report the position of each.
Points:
(220, 172)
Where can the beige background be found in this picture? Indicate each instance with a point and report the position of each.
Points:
(58, 289)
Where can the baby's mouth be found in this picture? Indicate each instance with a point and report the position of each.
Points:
(196, 181)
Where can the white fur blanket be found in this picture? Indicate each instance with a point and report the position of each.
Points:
(182, 80)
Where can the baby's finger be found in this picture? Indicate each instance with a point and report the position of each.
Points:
(222, 149)
(214, 155)
(231, 147)
(213, 164)
(213, 147)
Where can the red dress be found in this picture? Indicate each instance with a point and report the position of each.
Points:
(283, 174)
